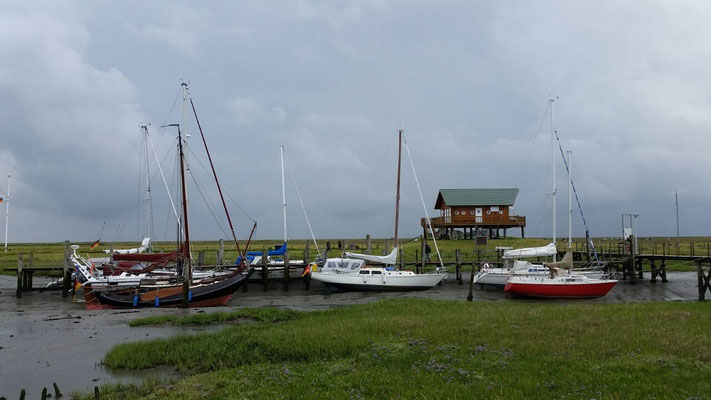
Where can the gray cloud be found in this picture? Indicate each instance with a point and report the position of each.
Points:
(333, 81)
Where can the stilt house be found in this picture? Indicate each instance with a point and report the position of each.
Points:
(470, 210)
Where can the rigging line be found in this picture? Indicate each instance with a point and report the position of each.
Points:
(239, 206)
(424, 207)
(298, 193)
(577, 199)
(172, 204)
(215, 175)
(533, 142)
(207, 204)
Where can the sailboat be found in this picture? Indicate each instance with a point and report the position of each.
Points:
(275, 258)
(351, 272)
(560, 281)
(180, 289)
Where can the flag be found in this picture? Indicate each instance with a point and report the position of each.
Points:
(307, 270)
(1, 199)
(94, 244)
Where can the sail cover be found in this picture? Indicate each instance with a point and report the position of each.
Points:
(390, 259)
(543, 251)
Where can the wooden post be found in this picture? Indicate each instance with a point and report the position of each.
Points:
(201, 257)
(221, 252)
(66, 283)
(633, 261)
(18, 293)
(417, 261)
(458, 257)
(31, 272)
(265, 270)
(701, 281)
(423, 260)
(401, 257)
(691, 244)
(286, 271)
(307, 246)
(367, 244)
(386, 249)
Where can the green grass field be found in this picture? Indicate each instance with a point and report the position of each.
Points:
(416, 348)
(51, 254)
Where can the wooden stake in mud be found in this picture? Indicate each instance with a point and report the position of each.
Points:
(18, 293)
(286, 271)
(458, 257)
(265, 270)
(368, 249)
(66, 282)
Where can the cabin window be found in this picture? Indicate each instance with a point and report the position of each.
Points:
(471, 212)
(377, 272)
(365, 272)
(494, 208)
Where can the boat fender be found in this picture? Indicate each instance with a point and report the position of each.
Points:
(190, 295)
(135, 300)
(157, 301)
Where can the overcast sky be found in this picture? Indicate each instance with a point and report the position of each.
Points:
(333, 81)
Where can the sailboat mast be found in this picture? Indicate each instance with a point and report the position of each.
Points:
(570, 202)
(184, 87)
(149, 196)
(283, 190)
(397, 190)
(553, 171)
(7, 210)
(187, 269)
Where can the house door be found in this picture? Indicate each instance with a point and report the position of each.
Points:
(478, 213)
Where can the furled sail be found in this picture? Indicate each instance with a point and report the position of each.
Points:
(390, 259)
(543, 251)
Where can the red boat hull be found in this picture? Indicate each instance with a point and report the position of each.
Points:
(560, 291)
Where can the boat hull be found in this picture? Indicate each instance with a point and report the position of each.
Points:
(214, 294)
(555, 290)
(356, 282)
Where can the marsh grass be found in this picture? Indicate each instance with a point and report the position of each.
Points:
(442, 349)
(262, 314)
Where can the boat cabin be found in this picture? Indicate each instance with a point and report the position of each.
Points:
(471, 210)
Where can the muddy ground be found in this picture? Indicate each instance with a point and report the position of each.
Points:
(45, 338)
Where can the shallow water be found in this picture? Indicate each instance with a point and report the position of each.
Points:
(45, 338)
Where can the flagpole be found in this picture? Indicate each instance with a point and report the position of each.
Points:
(7, 210)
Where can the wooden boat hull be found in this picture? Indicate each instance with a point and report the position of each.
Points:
(555, 290)
(214, 294)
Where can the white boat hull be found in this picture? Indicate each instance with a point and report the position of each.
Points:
(383, 281)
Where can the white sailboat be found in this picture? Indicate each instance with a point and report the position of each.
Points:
(560, 281)
(352, 273)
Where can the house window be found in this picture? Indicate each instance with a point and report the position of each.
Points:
(494, 208)
(471, 212)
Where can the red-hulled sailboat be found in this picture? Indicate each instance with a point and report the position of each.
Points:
(559, 287)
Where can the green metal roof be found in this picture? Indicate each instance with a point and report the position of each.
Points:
(476, 197)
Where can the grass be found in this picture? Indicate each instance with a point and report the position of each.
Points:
(262, 314)
(50, 255)
(416, 348)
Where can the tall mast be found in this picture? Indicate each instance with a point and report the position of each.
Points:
(553, 170)
(570, 202)
(397, 190)
(676, 196)
(149, 199)
(186, 95)
(186, 256)
(283, 190)
(7, 210)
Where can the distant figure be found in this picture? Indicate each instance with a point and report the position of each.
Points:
(340, 246)
(328, 245)
(428, 250)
